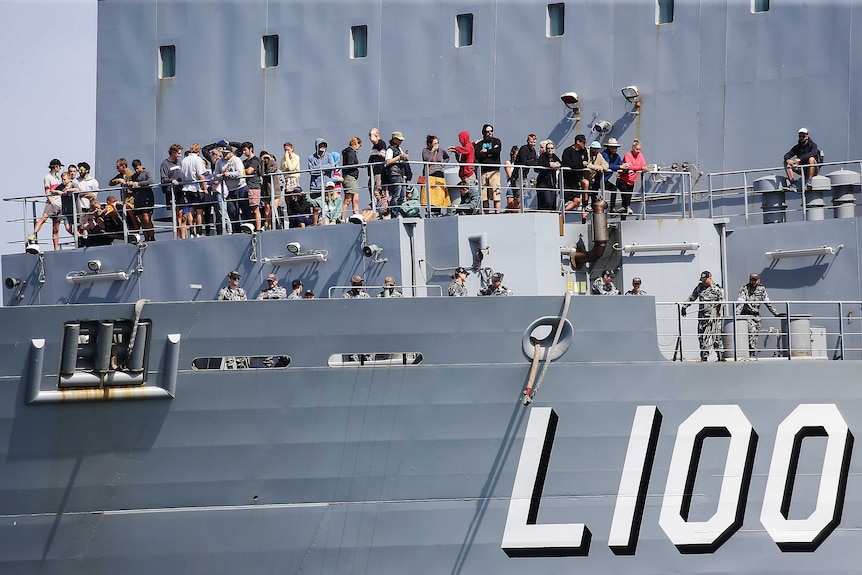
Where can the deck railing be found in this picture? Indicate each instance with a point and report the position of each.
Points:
(816, 330)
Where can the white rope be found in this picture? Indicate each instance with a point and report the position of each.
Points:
(557, 332)
(139, 308)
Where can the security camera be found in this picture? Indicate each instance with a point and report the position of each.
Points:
(372, 250)
(12, 283)
(356, 219)
(294, 248)
(602, 127)
(247, 228)
(94, 266)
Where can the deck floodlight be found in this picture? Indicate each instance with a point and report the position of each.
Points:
(33, 248)
(681, 247)
(83, 277)
(294, 248)
(809, 252)
(631, 94)
(570, 99)
(247, 228)
(602, 127)
(356, 219)
(94, 266)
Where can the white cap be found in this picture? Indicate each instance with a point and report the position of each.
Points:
(803, 130)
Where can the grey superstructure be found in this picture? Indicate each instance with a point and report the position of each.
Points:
(147, 428)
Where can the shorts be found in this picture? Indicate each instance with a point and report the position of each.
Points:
(253, 198)
(491, 185)
(173, 194)
(350, 185)
(194, 197)
(144, 200)
(52, 211)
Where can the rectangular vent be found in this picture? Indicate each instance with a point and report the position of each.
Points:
(374, 359)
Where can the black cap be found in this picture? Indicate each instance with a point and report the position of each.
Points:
(296, 283)
(462, 270)
(55, 162)
(608, 273)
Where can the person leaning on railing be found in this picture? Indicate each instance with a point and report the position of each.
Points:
(547, 182)
(633, 165)
(753, 294)
(144, 200)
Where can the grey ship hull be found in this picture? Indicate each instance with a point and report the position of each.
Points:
(387, 469)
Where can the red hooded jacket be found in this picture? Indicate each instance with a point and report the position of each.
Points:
(466, 155)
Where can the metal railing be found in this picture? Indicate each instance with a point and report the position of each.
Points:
(732, 194)
(415, 290)
(279, 213)
(815, 330)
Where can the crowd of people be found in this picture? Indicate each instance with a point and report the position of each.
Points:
(226, 187)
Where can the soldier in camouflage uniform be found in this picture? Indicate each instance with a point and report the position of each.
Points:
(604, 285)
(636, 287)
(496, 286)
(753, 291)
(458, 288)
(273, 290)
(356, 292)
(709, 315)
(389, 288)
(232, 292)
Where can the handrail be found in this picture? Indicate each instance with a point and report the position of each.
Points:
(833, 322)
(413, 287)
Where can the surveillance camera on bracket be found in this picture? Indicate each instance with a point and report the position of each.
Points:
(602, 127)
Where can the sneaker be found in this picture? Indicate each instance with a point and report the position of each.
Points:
(31, 238)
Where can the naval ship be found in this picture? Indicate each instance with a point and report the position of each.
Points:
(148, 428)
